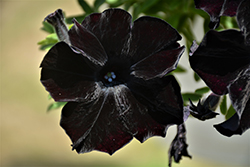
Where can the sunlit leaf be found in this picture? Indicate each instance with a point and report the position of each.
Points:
(56, 105)
(47, 43)
(230, 112)
(49, 97)
(180, 69)
(115, 3)
(223, 105)
(203, 90)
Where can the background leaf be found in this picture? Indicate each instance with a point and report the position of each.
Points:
(230, 112)
(223, 105)
(47, 27)
(97, 4)
(192, 96)
(55, 105)
(202, 91)
(196, 77)
(85, 6)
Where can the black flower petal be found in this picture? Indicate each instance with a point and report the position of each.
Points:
(110, 122)
(96, 125)
(217, 8)
(243, 19)
(178, 147)
(219, 58)
(155, 65)
(87, 44)
(151, 35)
(112, 27)
(68, 76)
(135, 116)
(162, 96)
(239, 92)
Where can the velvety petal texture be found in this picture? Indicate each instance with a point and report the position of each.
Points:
(91, 48)
(217, 8)
(112, 73)
(219, 58)
(239, 92)
(143, 44)
(112, 27)
(69, 76)
(161, 97)
(155, 66)
(222, 60)
(243, 18)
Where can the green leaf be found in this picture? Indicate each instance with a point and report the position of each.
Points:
(47, 43)
(55, 105)
(50, 39)
(49, 97)
(196, 77)
(227, 23)
(97, 4)
(115, 3)
(202, 91)
(85, 6)
(191, 96)
(128, 4)
(47, 27)
(180, 69)
(174, 5)
(136, 10)
(140, 8)
(223, 105)
(230, 112)
(112, 1)
(147, 4)
(79, 18)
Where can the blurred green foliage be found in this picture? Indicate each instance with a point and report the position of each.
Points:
(180, 14)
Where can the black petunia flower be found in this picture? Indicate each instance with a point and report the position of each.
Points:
(222, 60)
(112, 73)
(217, 8)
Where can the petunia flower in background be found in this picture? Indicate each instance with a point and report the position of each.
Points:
(222, 60)
(217, 8)
(112, 74)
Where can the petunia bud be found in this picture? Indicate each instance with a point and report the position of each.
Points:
(178, 147)
(56, 19)
(205, 108)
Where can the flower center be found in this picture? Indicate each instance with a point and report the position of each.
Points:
(110, 77)
(114, 73)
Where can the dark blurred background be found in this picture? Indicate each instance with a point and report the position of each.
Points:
(31, 136)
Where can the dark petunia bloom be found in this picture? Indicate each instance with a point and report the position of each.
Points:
(205, 108)
(217, 8)
(112, 72)
(178, 147)
(222, 60)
